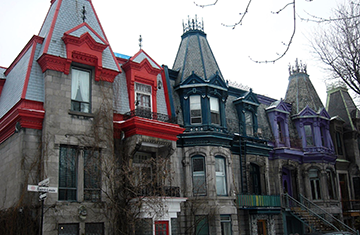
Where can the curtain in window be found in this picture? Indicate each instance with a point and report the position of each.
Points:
(315, 184)
(220, 176)
(195, 109)
(214, 110)
(249, 123)
(80, 85)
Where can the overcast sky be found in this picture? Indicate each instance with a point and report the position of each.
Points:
(160, 24)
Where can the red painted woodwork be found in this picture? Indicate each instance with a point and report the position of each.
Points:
(30, 114)
(142, 72)
(161, 227)
(2, 82)
(32, 42)
(148, 127)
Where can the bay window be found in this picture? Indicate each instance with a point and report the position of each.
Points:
(195, 109)
(214, 110)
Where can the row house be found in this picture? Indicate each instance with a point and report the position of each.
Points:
(132, 147)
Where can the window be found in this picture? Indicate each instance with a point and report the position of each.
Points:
(281, 132)
(356, 185)
(199, 183)
(331, 183)
(68, 229)
(195, 109)
(255, 186)
(339, 143)
(323, 135)
(143, 171)
(309, 135)
(214, 110)
(92, 175)
(68, 173)
(143, 96)
(202, 226)
(314, 184)
(249, 124)
(94, 228)
(80, 90)
(225, 224)
(220, 176)
(161, 227)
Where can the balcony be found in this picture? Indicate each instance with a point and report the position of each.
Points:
(146, 113)
(258, 201)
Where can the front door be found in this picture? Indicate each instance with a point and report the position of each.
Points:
(161, 227)
(286, 181)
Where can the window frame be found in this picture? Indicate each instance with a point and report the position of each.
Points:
(102, 232)
(95, 173)
(202, 174)
(225, 224)
(249, 126)
(143, 93)
(315, 184)
(255, 177)
(330, 178)
(221, 176)
(61, 227)
(309, 135)
(74, 173)
(73, 99)
(199, 109)
(161, 230)
(214, 110)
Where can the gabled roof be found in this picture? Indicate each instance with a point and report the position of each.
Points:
(141, 55)
(195, 56)
(66, 16)
(279, 105)
(249, 97)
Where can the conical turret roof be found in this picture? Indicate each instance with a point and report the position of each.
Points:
(194, 54)
(301, 92)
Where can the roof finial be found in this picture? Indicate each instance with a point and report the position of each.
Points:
(84, 14)
(193, 25)
(298, 68)
(140, 40)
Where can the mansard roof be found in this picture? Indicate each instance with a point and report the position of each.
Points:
(195, 56)
(339, 103)
(301, 92)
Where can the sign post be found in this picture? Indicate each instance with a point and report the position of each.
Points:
(43, 188)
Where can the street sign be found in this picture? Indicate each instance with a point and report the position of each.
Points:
(33, 188)
(42, 196)
(36, 188)
(48, 189)
(45, 182)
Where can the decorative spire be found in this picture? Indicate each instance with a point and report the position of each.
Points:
(83, 14)
(298, 68)
(140, 40)
(193, 24)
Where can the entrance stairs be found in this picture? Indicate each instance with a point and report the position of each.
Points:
(313, 216)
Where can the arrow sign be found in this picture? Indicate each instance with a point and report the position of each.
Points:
(48, 189)
(45, 182)
(42, 196)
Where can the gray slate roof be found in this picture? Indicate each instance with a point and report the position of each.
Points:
(195, 54)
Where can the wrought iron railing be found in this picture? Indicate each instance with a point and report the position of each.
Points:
(146, 113)
(161, 191)
(247, 200)
(326, 215)
(350, 205)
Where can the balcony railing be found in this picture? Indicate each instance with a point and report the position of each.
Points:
(351, 205)
(246, 201)
(146, 113)
(160, 191)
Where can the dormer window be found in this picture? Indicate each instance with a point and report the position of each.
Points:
(143, 96)
(309, 135)
(215, 110)
(195, 109)
(249, 124)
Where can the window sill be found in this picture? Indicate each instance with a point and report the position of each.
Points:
(80, 114)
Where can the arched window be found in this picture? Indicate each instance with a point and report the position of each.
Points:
(220, 172)
(198, 173)
(314, 184)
